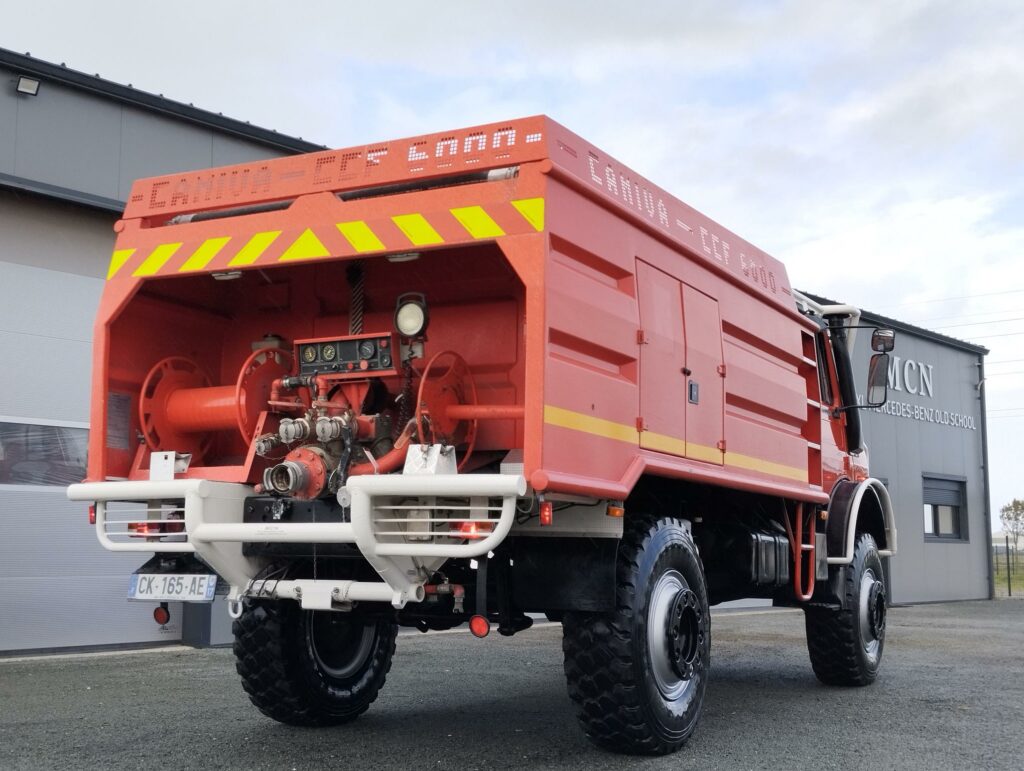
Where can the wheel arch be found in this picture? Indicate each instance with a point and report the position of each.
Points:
(855, 508)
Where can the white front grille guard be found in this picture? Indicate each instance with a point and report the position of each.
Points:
(215, 532)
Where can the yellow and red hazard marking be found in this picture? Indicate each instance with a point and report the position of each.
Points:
(216, 245)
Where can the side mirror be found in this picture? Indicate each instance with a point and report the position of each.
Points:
(883, 340)
(878, 378)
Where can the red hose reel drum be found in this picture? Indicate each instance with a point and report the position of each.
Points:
(179, 410)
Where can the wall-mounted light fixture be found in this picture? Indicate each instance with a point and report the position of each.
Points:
(27, 86)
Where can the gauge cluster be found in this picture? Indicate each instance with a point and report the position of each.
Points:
(358, 356)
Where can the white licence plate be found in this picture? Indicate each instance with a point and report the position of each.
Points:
(191, 587)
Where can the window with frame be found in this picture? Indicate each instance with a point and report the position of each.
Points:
(823, 377)
(32, 454)
(945, 509)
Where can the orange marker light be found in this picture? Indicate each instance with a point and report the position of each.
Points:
(547, 513)
(615, 510)
(479, 626)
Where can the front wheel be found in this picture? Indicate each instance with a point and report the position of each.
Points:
(311, 668)
(845, 646)
(638, 674)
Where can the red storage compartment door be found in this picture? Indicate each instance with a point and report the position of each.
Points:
(705, 385)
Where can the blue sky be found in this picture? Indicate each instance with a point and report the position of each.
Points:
(877, 148)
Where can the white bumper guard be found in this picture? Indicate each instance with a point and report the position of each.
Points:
(405, 525)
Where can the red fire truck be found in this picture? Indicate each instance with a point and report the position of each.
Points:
(475, 377)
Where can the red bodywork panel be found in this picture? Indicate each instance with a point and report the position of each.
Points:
(636, 335)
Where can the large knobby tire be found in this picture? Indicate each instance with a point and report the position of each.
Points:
(311, 668)
(638, 674)
(846, 645)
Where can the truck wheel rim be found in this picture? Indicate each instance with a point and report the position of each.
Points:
(339, 647)
(872, 613)
(675, 635)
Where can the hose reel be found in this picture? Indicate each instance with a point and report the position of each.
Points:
(180, 410)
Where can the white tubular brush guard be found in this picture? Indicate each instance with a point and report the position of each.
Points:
(215, 531)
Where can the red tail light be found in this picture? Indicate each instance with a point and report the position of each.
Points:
(161, 614)
(473, 528)
(92, 514)
(479, 626)
(146, 529)
(547, 513)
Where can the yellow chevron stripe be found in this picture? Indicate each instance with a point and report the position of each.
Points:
(578, 421)
(256, 246)
(207, 251)
(417, 229)
(532, 210)
(117, 261)
(477, 222)
(358, 234)
(156, 259)
(306, 247)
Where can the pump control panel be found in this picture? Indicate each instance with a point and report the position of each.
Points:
(355, 354)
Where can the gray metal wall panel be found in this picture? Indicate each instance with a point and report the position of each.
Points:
(904, 449)
(96, 145)
(70, 139)
(45, 337)
(47, 303)
(228, 150)
(58, 236)
(152, 145)
(61, 588)
(8, 120)
(45, 377)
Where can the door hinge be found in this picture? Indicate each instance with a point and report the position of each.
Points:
(721, 370)
(641, 337)
(721, 445)
(640, 427)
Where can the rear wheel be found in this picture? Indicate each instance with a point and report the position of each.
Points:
(638, 674)
(845, 646)
(311, 668)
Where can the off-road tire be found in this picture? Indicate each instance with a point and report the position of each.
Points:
(836, 638)
(608, 660)
(286, 678)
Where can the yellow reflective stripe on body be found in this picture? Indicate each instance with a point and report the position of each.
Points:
(477, 222)
(117, 261)
(765, 466)
(306, 247)
(156, 259)
(207, 251)
(256, 246)
(649, 440)
(578, 421)
(358, 234)
(532, 210)
(417, 229)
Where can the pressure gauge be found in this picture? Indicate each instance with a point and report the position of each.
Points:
(367, 349)
(309, 353)
(328, 352)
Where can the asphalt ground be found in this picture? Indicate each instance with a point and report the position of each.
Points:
(950, 695)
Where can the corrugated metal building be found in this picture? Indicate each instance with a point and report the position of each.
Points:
(928, 445)
(70, 147)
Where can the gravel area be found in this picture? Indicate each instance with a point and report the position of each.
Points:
(950, 695)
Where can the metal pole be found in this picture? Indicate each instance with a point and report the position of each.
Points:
(1009, 585)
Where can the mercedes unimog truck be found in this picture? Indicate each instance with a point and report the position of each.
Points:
(479, 377)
